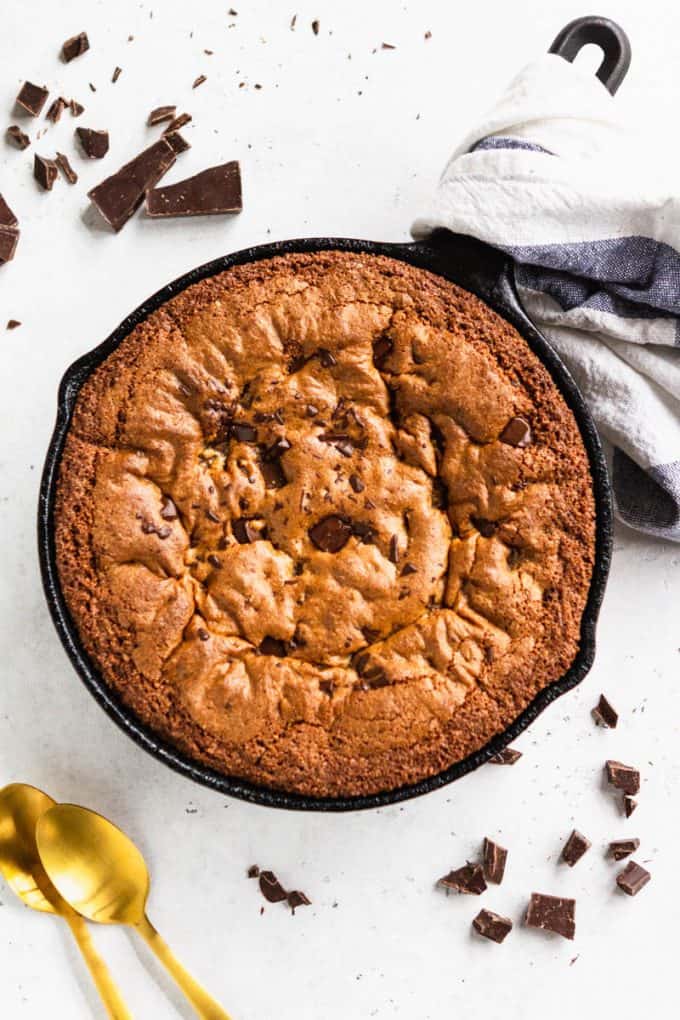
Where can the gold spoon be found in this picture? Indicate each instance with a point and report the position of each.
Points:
(100, 872)
(20, 808)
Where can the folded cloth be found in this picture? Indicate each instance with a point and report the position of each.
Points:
(592, 223)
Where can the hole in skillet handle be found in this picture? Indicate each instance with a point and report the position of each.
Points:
(604, 33)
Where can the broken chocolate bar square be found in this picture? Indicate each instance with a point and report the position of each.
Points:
(492, 926)
(469, 879)
(217, 190)
(67, 170)
(18, 137)
(629, 805)
(32, 98)
(552, 913)
(633, 878)
(621, 848)
(604, 714)
(75, 47)
(9, 232)
(119, 196)
(177, 141)
(575, 847)
(95, 144)
(45, 171)
(623, 777)
(160, 114)
(494, 858)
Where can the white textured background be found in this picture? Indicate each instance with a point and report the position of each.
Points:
(329, 145)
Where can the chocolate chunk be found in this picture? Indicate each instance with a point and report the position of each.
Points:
(75, 47)
(18, 137)
(214, 561)
(516, 433)
(394, 549)
(45, 172)
(341, 441)
(633, 878)
(485, 528)
(575, 847)
(623, 777)
(621, 848)
(199, 81)
(67, 170)
(76, 108)
(213, 191)
(176, 141)
(494, 858)
(327, 359)
(253, 871)
(552, 913)
(243, 433)
(331, 533)
(271, 888)
(95, 144)
(168, 509)
(178, 122)
(407, 569)
(356, 483)
(297, 899)
(161, 114)
(32, 98)
(245, 530)
(312, 410)
(363, 530)
(315, 26)
(508, 756)
(13, 324)
(56, 109)
(273, 646)
(492, 926)
(382, 349)
(9, 232)
(604, 714)
(203, 634)
(120, 195)
(468, 879)
(273, 474)
(117, 71)
(7, 218)
(629, 805)
(276, 449)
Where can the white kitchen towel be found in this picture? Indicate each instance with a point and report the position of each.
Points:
(591, 217)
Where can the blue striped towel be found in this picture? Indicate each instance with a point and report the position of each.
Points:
(592, 223)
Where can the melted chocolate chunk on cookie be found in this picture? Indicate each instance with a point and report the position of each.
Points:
(331, 534)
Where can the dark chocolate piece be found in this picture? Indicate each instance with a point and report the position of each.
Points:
(494, 858)
(271, 888)
(356, 484)
(575, 847)
(623, 777)
(178, 122)
(516, 433)
(633, 878)
(326, 358)
(7, 218)
(214, 561)
(297, 899)
(629, 805)
(120, 195)
(244, 530)
(387, 46)
(67, 170)
(161, 114)
(552, 913)
(177, 142)
(13, 324)
(203, 634)
(394, 549)
(508, 756)
(253, 871)
(622, 848)
(340, 440)
(56, 109)
(117, 71)
(273, 646)
(93, 88)
(331, 534)
(407, 569)
(244, 433)
(469, 879)
(95, 144)
(45, 171)
(604, 714)
(18, 137)
(492, 926)
(199, 81)
(9, 238)
(32, 98)
(315, 26)
(382, 349)
(75, 47)
(216, 190)
(76, 108)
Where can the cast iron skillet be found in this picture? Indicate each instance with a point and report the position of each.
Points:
(477, 268)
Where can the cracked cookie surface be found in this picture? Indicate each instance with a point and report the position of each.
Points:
(324, 522)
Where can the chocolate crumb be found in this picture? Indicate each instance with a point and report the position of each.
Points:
(75, 47)
(199, 81)
(45, 172)
(494, 858)
(93, 88)
(315, 26)
(13, 324)
(203, 634)
(469, 879)
(117, 71)
(508, 756)
(623, 777)
(18, 137)
(297, 899)
(621, 848)
(387, 46)
(552, 913)
(253, 871)
(95, 144)
(492, 926)
(32, 98)
(633, 878)
(604, 714)
(575, 847)
(121, 194)
(67, 170)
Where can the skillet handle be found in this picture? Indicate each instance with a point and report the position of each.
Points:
(604, 33)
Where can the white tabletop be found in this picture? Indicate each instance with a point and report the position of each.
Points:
(343, 138)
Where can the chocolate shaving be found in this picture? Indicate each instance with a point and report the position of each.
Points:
(117, 71)
(178, 122)
(121, 194)
(18, 137)
(387, 46)
(516, 433)
(76, 108)
(216, 190)
(575, 847)
(75, 47)
(508, 756)
(494, 858)
(45, 171)
(394, 549)
(623, 777)
(161, 114)
(95, 144)
(331, 533)
(199, 81)
(604, 714)
(32, 98)
(552, 913)
(469, 879)
(492, 926)
(621, 848)
(271, 888)
(67, 170)
(633, 878)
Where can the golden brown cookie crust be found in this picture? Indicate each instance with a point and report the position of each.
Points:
(303, 531)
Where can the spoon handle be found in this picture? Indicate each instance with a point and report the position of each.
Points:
(204, 1004)
(101, 976)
